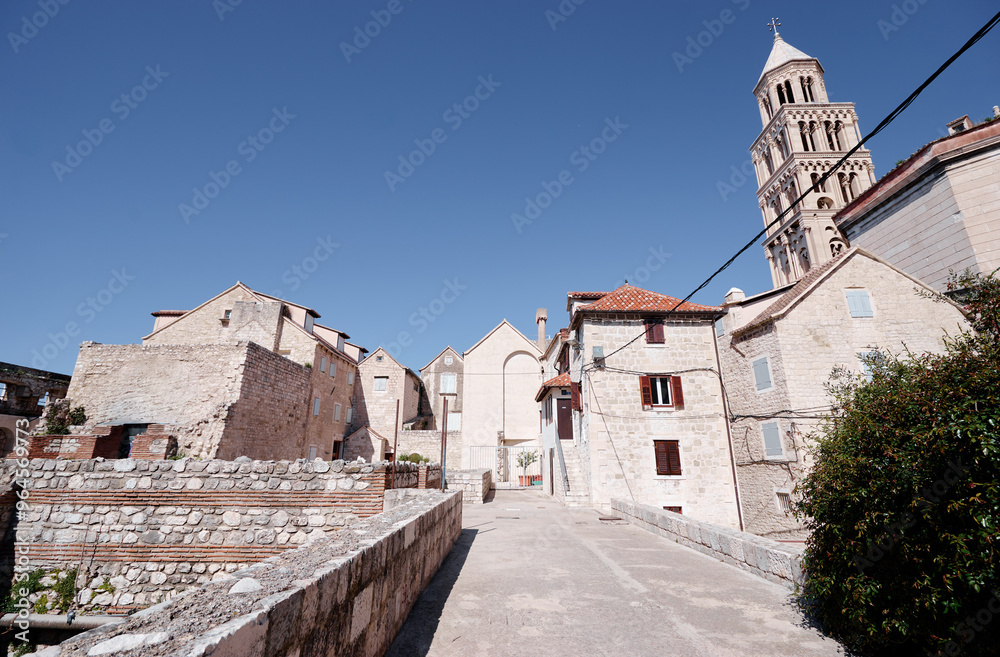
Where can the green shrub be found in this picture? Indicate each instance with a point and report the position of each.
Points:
(33, 584)
(903, 501)
(78, 415)
(65, 588)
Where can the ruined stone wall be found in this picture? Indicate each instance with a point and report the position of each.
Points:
(348, 594)
(142, 531)
(428, 443)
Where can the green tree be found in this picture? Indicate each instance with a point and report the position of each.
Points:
(903, 502)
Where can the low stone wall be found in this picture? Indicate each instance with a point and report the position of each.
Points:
(344, 595)
(763, 557)
(138, 532)
(474, 484)
(104, 442)
(428, 443)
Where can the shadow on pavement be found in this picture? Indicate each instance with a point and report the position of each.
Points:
(415, 637)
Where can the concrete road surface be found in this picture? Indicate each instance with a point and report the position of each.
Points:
(530, 577)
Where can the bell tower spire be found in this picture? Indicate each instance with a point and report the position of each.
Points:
(803, 136)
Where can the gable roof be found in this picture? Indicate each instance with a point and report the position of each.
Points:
(561, 381)
(368, 429)
(497, 328)
(813, 278)
(581, 296)
(386, 352)
(629, 298)
(185, 313)
(441, 353)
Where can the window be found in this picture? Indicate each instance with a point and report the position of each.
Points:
(333, 368)
(668, 457)
(313, 452)
(448, 360)
(762, 374)
(336, 412)
(859, 304)
(316, 406)
(350, 378)
(381, 383)
(661, 391)
(720, 328)
(3, 391)
(870, 360)
(772, 440)
(44, 399)
(378, 359)
(547, 410)
(322, 364)
(448, 383)
(454, 421)
(785, 502)
(654, 331)
(227, 315)
(309, 323)
(350, 414)
(673, 509)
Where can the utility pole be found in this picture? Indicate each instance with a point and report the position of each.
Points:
(395, 443)
(444, 441)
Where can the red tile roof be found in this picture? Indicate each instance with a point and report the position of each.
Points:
(629, 298)
(561, 381)
(586, 295)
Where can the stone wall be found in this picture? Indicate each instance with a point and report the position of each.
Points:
(344, 595)
(762, 557)
(378, 408)
(233, 399)
(431, 376)
(473, 484)
(142, 531)
(428, 443)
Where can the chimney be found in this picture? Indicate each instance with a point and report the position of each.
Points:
(996, 111)
(540, 317)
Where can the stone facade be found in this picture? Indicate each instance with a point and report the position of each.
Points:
(142, 531)
(383, 381)
(431, 374)
(473, 484)
(345, 595)
(936, 212)
(428, 443)
(616, 435)
(502, 374)
(804, 334)
(23, 394)
(242, 374)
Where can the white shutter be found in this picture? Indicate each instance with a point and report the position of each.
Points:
(761, 375)
(772, 439)
(859, 303)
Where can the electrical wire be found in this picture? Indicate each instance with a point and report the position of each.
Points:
(983, 31)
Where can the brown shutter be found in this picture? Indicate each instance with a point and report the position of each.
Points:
(649, 331)
(673, 457)
(676, 392)
(662, 461)
(574, 396)
(646, 390)
(658, 333)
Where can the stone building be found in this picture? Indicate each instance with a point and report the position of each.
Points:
(243, 374)
(501, 374)
(646, 402)
(24, 393)
(937, 211)
(778, 350)
(384, 381)
(444, 377)
(803, 135)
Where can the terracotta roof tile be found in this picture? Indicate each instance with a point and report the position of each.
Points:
(586, 295)
(629, 298)
(561, 381)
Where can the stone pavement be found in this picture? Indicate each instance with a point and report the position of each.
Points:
(530, 577)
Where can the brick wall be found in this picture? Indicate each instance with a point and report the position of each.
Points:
(153, 528)
(347, 595)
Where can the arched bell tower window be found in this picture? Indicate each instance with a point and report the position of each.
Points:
(855, 184)
(815, 179)
(788, 92)
(768, 161)
(845, 187)
(805, 133)
(832, 136)
(807, 92)
(766, 103)
(781, 95)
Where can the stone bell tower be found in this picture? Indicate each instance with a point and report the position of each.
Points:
(804, 134)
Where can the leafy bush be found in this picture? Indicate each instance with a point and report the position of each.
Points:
(77, 416)
(904, 499)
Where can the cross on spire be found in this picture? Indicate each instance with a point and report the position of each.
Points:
(773, 25)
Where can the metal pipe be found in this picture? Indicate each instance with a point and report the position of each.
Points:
(444, 441)
(58, 621)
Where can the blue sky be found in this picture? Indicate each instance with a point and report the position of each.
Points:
(278, 138)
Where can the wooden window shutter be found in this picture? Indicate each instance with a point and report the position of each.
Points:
(646, 389)
(662, 462)
(658, 333)
(673, 457)
(574, 396)
(649, 331)
(676, 391)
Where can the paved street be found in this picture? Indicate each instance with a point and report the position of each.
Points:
(530, 577)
